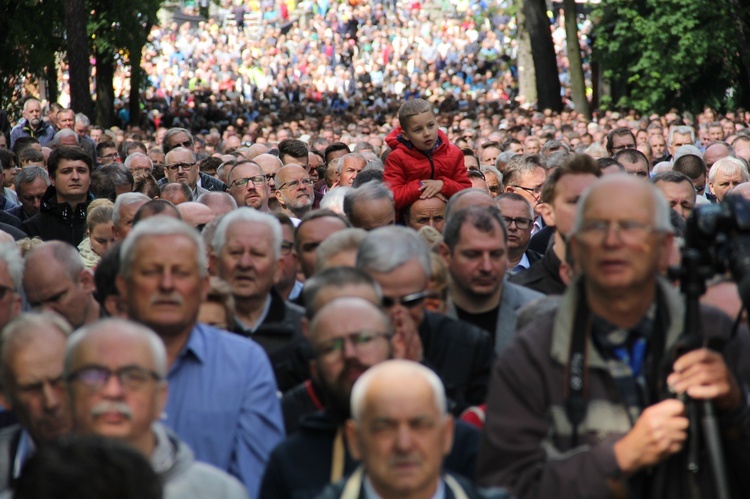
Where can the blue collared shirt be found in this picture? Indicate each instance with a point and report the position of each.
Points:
(223, 403)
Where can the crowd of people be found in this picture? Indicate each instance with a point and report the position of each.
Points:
(412, 289)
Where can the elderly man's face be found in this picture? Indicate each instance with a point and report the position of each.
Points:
(430, 211)
(349, 171)
(102, 402)
(247, 261)
(617, 246)
(407, 279)
(30, 195)
(182, 167)
(66, 120)
(680, 196)
(401, 437)
(34, 383)
(180, 139)
(724, 182)
(294, 189)
(49, 287)
(165, 288)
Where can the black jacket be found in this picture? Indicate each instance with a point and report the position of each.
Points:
(281, 337)
(461, 354)
(56, 221)
(300, 466)
(543, 275)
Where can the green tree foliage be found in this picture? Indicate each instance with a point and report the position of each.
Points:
(660, 54)
(31, 32)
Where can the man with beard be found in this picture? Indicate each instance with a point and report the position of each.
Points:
(348, 335)
(248, 185)
(32, 124)
(474, 248)
(294, 191)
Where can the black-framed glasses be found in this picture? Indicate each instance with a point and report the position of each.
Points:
(176, 167)
(5, 290)
(96, 377)
(257, 181)
(408, 301)
(522, 223)
(362, 341)
(187, 144)
(270, 176)
(293, 184)
(286, 248)
(476, 174)
(622, 147)
(114, 155)
(535, 191)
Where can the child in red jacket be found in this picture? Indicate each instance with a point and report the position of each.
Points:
(422, 163)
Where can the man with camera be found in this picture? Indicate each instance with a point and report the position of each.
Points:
(591, 400)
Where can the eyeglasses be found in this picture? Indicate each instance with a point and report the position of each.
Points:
(114, 155)
(700, 189)
(629, 231)
(521, 222)
(293, 184)
(362, 341)
(535, 191)
(623, 147)
(270, 176)
(408, 301)
(476, 174)
(176, 167)
(96, 377)
(5, 290)
(257, 181)
(286, 248)
(186, 144)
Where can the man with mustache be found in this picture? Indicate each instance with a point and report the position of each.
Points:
(63, 210)
(181, 166)
(115, 374)
(246, 254)
(248, 185)
(32, 124)
(294, 191)
(223, 398)
(348, 335)
(32, 348)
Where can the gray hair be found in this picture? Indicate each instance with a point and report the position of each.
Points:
(681, 130)
(246, 214)
(83, 119)
(387, 248)
(351, 155)
(65, 132)
(109, 327)
(728, 166)
(130, 157)
(126, 199)
(174, 131)
(64, 254)
(343, 240)
(177, 149)
(685, 150)
(493, 170)
(521, 165)
(24, 325)
(11, 255)
(29, 174)
(334, 199)
(407, 369)
(160, 225)
(338, 277)
(662, 212)
(369, 191)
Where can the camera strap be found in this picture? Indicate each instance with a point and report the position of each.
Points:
(577, 371)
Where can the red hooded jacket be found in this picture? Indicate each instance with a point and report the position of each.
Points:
(406, 166)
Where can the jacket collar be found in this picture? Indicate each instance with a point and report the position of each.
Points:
(565, 316)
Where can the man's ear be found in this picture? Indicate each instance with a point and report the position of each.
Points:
(445, 252)
(86, 280)
(277, 193)
(547, 213)
(352, 440)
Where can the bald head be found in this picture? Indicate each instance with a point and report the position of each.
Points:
(358, 310)
(467, 198)
(220, 203)
(255, 150)
(196, 214)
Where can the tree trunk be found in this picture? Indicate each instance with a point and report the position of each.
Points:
(105, 92)
(743, 46)
(136, 73)
(575, 62)
(50, 75)
(543, 50)
(526, 74)
(78, 56)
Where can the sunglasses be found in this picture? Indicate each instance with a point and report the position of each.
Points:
(408, 301)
